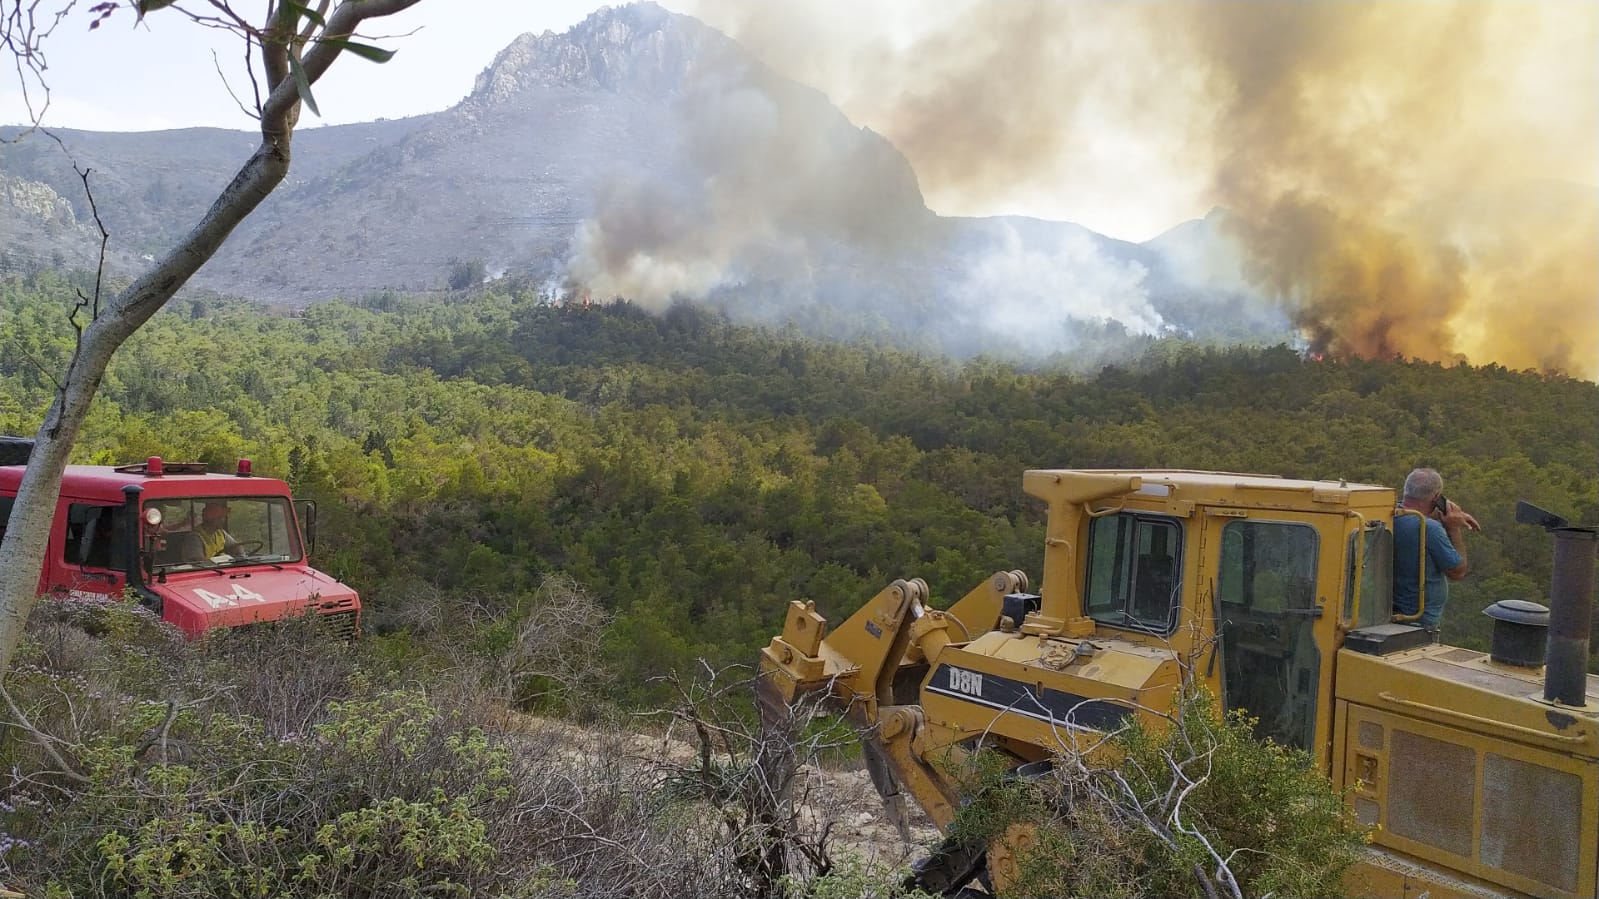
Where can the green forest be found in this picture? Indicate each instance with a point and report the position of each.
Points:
(694, 476)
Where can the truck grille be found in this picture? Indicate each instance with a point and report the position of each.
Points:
(341, 624)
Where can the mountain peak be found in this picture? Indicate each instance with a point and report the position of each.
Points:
(637, 48)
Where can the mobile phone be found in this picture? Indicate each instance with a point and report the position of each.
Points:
(1440, 505)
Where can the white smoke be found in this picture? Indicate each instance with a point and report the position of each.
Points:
(1033, 298)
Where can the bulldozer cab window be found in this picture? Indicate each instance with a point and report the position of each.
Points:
(1134, 563)
(1375, 576)
(1267, 586)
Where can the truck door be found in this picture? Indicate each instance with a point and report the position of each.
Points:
(1270, 617)
(92, 551)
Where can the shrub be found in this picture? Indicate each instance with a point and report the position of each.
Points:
(265, 763)
(854, 878)
(386, 796)
(1198, 807)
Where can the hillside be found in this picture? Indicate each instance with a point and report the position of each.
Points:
(697, 475)
(640, 154)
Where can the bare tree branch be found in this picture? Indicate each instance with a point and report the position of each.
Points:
(23, 38)
(217, 63)
(68, 770)
(105, 237)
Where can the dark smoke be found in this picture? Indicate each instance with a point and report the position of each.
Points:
(1387, 166)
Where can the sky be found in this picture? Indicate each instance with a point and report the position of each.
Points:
(1055, 112)
(160, 73)
(163, 73)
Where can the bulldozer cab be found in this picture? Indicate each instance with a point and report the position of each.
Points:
(1254, 579)
(1267, 609)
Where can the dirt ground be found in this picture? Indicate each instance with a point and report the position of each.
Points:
(838, 795)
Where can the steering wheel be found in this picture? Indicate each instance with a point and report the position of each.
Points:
(250, 547)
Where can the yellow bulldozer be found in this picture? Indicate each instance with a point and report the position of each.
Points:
(1478, 772)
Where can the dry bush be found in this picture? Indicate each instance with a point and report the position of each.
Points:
(536, 652)
(421, 609)
(283, 673)
(268, 763)
(741, 776)
(556, 658)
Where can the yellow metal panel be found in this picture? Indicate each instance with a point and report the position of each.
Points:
(1133, 676)
(1340, 726)
(1381, 872)
(1473, 840)
(803, 629)
(1433, 684)
(1067, 492)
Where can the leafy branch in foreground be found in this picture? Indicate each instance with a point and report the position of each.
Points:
(1195, 807)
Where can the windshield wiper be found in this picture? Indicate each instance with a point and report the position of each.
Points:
(204, 565)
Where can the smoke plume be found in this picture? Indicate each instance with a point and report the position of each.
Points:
(1039, 296)
(765, 178)
(761, 197)
(1412, 179)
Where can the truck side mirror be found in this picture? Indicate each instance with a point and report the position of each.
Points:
(305, 511)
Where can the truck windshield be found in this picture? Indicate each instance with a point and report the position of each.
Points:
(221, 531)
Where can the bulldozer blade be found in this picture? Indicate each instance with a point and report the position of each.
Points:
(887, 785)
(949, 868)
(770, 700)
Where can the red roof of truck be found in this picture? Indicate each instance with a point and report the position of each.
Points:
(104, 482)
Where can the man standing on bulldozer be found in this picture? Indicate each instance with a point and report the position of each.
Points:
(1446, 546)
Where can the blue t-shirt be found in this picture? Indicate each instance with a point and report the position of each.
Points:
(1441, 556)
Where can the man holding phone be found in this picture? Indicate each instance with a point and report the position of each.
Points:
(1447, 524)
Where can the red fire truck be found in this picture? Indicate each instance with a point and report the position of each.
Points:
(201, 550)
